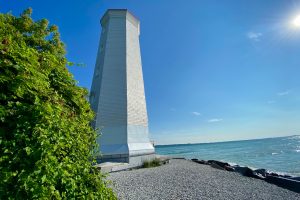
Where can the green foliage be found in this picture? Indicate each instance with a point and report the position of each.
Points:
(152, 163)
(46, 142)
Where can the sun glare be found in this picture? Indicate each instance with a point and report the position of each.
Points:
(296, 22)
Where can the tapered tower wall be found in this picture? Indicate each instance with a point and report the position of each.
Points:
(117, 93)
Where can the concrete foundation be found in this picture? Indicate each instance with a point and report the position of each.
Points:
(119, 164)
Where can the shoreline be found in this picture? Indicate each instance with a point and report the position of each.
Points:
(282, 180)
(280, 155)
(185, 179)
(280, 173)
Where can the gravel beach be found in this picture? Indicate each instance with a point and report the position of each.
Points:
(183, 179)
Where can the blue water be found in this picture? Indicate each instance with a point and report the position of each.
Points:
(281, 155)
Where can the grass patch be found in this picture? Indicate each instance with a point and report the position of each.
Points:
(151, 163)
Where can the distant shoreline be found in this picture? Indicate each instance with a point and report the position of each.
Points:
(160, 145)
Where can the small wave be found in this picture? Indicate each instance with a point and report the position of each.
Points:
(293, 137)
(232, 163)
(281, 173)
(275, 153)
(297, 150)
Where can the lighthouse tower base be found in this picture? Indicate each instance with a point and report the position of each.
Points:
(133, 161)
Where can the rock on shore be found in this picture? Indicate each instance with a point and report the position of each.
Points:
(183, 179)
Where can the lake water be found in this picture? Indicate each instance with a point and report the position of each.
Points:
(281, 155)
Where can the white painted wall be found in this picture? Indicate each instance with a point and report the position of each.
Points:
(117, 93)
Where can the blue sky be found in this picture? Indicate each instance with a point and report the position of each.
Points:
(213, 70)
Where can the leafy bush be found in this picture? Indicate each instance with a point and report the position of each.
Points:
(152, 163)
(46, 142)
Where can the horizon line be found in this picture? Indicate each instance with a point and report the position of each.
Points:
(226, 141)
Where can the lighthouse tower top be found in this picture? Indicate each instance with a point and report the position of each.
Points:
(120, 13)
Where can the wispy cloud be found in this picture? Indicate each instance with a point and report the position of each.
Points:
(215, 120)
(196, 113)
(283, 93)
(271, 102)
(254, 36)
(173, 131)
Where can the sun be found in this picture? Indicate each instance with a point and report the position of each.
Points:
(296, 21)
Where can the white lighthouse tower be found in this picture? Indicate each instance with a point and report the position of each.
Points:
(117, 93)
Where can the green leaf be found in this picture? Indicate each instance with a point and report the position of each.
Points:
(43, 178)
(28, 150)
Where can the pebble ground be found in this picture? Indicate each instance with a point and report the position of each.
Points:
(184, 179)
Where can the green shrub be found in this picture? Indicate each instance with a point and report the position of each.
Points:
(151, 163)
(46, 142)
